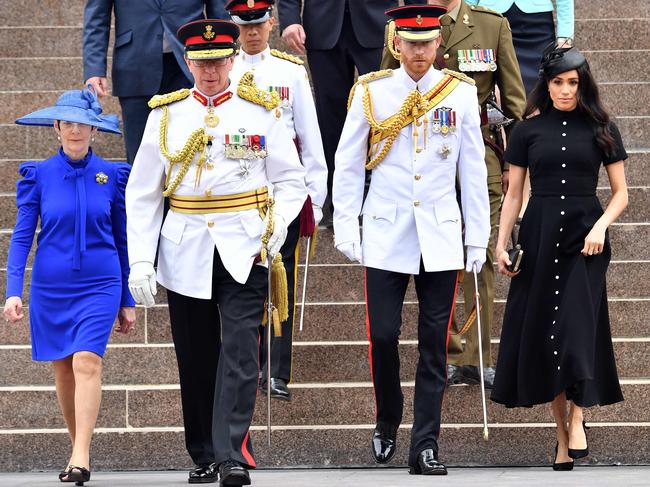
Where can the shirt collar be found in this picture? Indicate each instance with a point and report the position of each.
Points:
(255, 58)
(454, 12)
(423, 84)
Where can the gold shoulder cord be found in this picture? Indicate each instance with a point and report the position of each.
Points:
(390, 40)
(196, 143)
(412, 106)
(372, 76)
(247, 90)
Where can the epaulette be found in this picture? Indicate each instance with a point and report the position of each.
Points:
(287, 57)
(247, 90)
(160, 100)
(485, 10)
(460, 76)
(366, 78)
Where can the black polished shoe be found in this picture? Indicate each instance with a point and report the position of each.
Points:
(78, 475)
(384, 442)
(205, 474)
(580, 453)
(428, 464)
(279, 389)
(470, 374)
(454, 375)
(563, 466)
(232, 474)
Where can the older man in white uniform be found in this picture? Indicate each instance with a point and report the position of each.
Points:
(416, 128)
(216, 151)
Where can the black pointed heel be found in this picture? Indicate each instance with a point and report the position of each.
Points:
(75, 474)
(581, 453)
(561, 467)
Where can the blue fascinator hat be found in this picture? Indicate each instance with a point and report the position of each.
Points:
(76, 106)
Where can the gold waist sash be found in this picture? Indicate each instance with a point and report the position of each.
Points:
(249, 200)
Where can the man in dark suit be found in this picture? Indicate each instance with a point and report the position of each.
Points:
(147, 56)
(338, 36)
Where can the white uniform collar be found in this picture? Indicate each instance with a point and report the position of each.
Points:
(210, 101)
(255, 58)
(424, 84)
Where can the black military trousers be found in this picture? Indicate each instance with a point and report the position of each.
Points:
(281, 347)
(135, 110)
(385, 291)
(216, 342)
(333, 74)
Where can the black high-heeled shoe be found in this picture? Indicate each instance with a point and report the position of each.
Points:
(561, 467)
(583, 452)
(79, 475)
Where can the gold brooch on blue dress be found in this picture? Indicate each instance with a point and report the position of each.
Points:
(101, 178)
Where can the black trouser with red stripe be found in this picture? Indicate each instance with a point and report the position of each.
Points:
(216, 342)
(281, 347)
(385, 291)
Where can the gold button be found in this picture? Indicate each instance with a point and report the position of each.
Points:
(210, 166)
(418, 150)
(210, 223)
(416, 203)
(208, 192)
(446, 55)
(418, 177)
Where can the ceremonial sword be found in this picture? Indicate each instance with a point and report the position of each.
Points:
(480, 352)
(304, 285)
(269, 324)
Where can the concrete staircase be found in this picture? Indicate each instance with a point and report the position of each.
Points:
(330, 419)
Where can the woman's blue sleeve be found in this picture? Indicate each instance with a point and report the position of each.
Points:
(28, 202)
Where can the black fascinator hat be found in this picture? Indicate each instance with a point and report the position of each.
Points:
(556, 60)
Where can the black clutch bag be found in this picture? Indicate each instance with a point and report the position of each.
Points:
(515, 254)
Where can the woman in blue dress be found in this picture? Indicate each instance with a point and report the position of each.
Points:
(80, 271)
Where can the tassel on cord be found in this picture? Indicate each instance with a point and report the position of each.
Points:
(312, 243)
(280, 294)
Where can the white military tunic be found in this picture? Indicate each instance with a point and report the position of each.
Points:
(297, 110)
(188, 240)
(411, 209)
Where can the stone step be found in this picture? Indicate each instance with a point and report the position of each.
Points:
(510, 445)
(333, 404)
(16, 42)
(621, 99)
(637, 170)
(638, 210)
(335, 284)
(628, 240)
(313, 362)
(342, 322)
(70, 12)
(65, 73)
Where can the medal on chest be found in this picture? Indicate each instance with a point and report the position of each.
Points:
(443, 121)
(247, 147)
(476, 60)
(211, 120)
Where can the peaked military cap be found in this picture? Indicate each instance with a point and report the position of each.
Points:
(417, 22)
(209, 39)
(250, 11)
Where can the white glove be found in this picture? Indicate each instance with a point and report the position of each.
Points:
(278, 236)
(475, 256)
(318, 213)
(352, 250)
(142, 283)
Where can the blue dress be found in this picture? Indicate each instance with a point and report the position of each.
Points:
(81, 266)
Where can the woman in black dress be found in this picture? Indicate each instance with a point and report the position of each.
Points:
(556, 342)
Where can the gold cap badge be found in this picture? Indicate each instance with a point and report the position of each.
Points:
(418, 20)
(208, 35)
(250, 3)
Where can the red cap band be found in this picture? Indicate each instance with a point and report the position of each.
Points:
(418, 22)
(243, 7)
(194, 40)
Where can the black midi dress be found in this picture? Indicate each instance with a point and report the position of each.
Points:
(556, 333)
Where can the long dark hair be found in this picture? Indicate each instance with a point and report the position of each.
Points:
(589, 104)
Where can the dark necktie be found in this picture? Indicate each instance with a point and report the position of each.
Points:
(446, 22)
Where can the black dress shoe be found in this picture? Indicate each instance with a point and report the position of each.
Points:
(232, 474)
(205, 474)
(454, 375)
(427, 464)
(279, 389)
(384, 442)
(471, 375)
(583, 452)
(562, 466)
